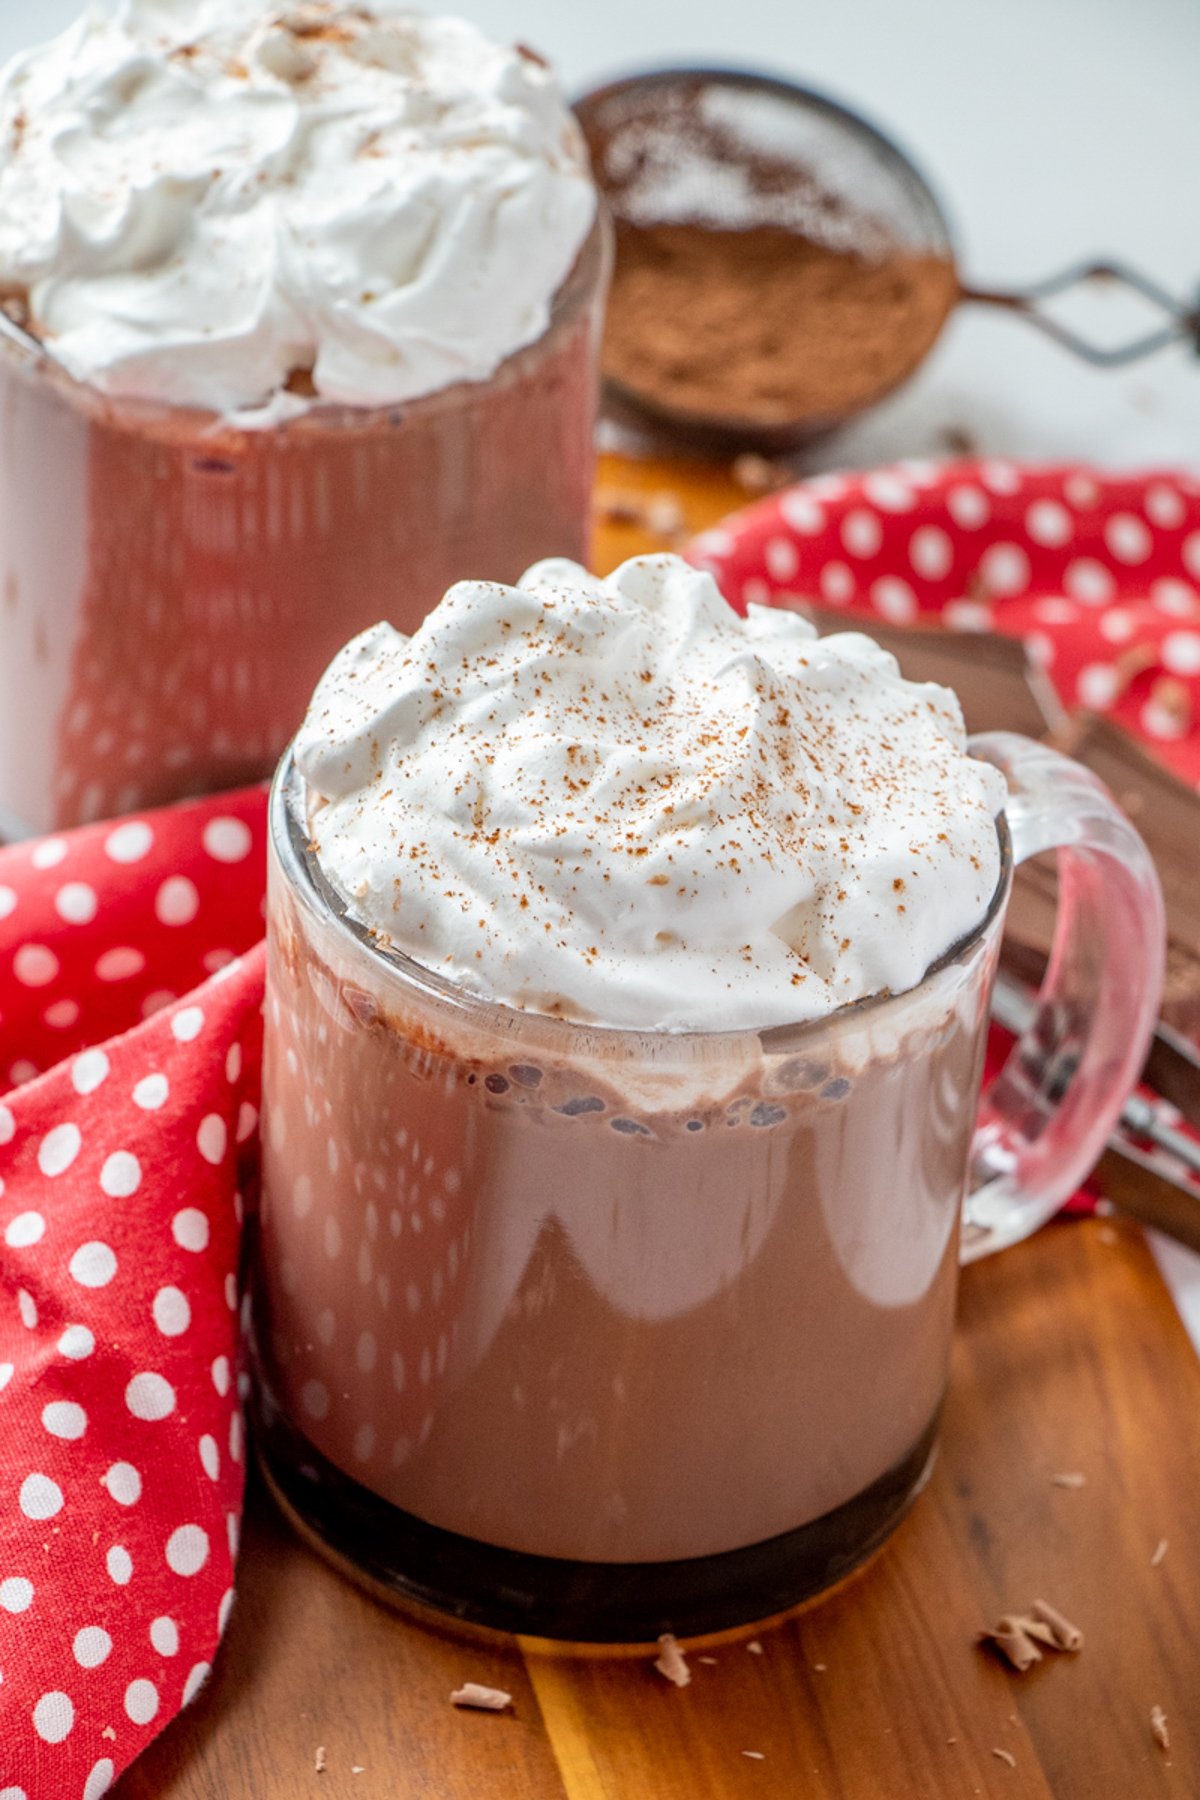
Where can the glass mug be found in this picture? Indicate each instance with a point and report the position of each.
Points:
(595, 1334)
(172, 586)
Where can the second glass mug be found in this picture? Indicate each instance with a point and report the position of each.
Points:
(172, 584)
(595, 1334)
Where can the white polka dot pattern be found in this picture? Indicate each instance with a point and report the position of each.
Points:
(1098, 575)
(119, 1226)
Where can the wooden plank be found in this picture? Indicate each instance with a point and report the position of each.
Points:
(1070, 1358)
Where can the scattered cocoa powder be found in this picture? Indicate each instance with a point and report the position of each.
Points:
(765, 327)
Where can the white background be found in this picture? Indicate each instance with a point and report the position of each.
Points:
(1052, 130)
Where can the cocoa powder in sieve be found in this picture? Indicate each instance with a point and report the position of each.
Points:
(764, 327)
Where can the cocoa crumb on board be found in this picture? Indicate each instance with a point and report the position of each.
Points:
(758, 474)
(707, 1659)
(671, 1662)
(661, 514)
(1158, 1725)
(1005, 1756)
(483, 1699)
(665, 516)
(754, 1647)
(619, 509)
(319, 1760)
(1073, 1479)
(1160, 1550)
(1018, 1637)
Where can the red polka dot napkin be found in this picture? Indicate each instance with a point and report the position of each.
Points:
(131, 973)
(1098, 574)
(130, 988)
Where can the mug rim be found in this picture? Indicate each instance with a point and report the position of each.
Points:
(24, 354)
(289, 844)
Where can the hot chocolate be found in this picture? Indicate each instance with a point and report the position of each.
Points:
(310, 305)
(637, 1316)
(581, 1297)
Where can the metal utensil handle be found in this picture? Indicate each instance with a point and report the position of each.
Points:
(1183, 318)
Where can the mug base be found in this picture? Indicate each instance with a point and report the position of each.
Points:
(402, 1559)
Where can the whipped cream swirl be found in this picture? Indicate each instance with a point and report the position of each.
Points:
(202, 201)
(620, 802)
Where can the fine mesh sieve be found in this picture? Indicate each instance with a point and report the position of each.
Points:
(780, 263)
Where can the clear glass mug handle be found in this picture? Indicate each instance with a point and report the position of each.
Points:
(1045, 1118)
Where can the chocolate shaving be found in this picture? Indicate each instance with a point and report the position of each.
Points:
(1070, 1480)
(1012, 1641)
(754, 1647)
(1006, 1756)
(1063, 1635)
(671, 1662)
(483, 1699)
(1158, 1725)
(1160, 1550)
(1018, 1636)
(319, 1760)
(754, 1755)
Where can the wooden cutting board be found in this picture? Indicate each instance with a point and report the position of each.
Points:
(1070, 1359)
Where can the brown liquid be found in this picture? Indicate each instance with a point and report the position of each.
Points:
(521, 1305)
(171, 588)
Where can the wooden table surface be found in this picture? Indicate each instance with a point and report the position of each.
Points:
(1069, 1358)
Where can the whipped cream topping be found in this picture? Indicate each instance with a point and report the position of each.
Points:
(620, 802)
(202, 201)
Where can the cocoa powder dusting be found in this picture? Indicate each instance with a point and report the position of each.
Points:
(764, 325)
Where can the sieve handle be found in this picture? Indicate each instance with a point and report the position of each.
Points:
(1182, 319)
